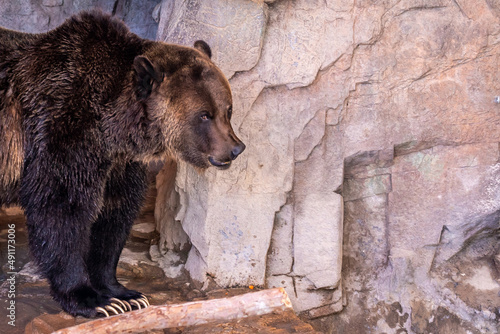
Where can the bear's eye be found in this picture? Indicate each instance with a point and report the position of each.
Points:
(205, 116)
(230, 112)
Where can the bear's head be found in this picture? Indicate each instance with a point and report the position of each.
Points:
(191, 100)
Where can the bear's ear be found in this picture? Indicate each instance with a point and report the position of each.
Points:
(147, 75)
(203, 47)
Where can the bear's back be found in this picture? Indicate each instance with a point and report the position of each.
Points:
(54, 86)
(91, 53)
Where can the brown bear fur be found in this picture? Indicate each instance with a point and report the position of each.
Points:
(82, 108)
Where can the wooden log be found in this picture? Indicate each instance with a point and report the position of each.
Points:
(158, 317)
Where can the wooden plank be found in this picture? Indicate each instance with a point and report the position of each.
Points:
(158, 317)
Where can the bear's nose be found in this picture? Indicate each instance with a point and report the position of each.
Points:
(237, 150)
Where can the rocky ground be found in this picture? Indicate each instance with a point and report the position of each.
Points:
(36, 312)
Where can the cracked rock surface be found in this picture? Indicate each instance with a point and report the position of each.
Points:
(370, 180)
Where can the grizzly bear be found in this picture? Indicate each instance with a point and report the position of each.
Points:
(83, 109)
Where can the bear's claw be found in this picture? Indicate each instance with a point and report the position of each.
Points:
(146, 300)
(116, 309)
(136, 303)
(111, 309)
(122, 303)
(142, 302)
(128, 305)
(101, 310)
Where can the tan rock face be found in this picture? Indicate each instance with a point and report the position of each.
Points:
(389, 106)
(241, 26)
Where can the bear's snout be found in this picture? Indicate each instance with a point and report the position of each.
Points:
(237, 150)
(224, 161)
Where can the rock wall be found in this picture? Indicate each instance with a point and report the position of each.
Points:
(370, 183)
(41, 15)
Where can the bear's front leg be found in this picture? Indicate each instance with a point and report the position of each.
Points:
(62, 197)
(123, 196)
